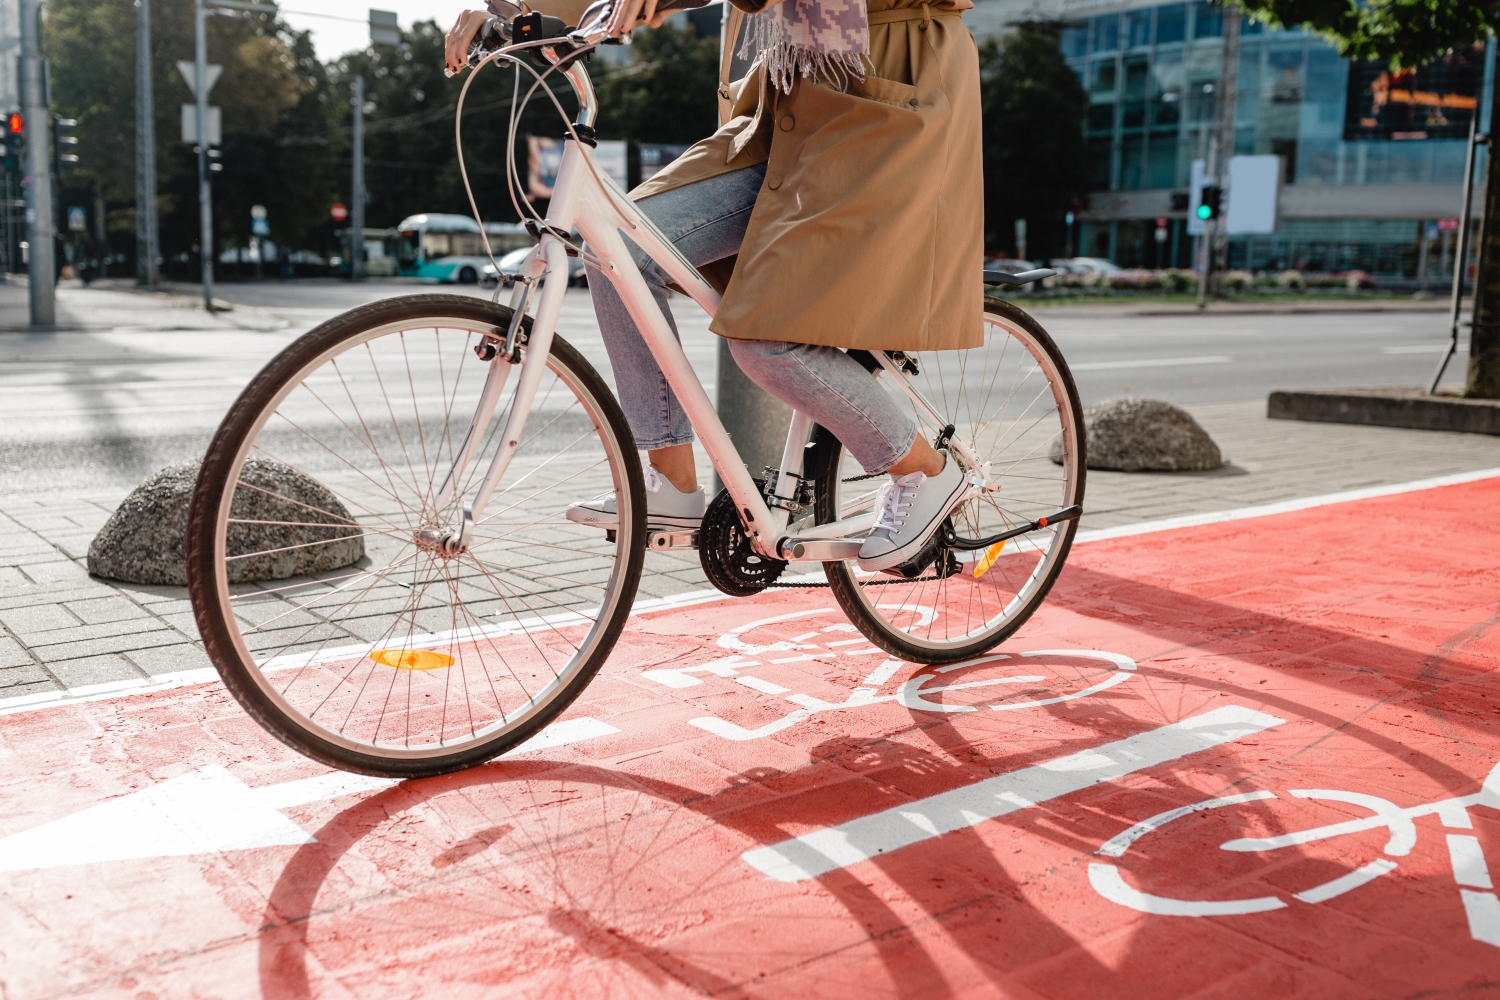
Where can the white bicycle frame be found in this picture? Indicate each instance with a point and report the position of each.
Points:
(587, 199)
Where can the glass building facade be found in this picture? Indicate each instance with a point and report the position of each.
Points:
(1348, 201)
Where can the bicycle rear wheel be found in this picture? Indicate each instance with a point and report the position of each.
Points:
(1014, 402)
(385, 652)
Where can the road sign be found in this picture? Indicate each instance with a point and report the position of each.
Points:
(77, 219)
(1253, 194)
(210, 74)
(340, 212)
(1447, 224)
(384, 28)
(260, 227)
(257, 211)
(190, 125)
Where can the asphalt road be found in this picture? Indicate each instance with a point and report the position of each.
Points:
(148, 379)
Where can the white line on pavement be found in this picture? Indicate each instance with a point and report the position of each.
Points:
(210, 811)
(822, 851)
(1109, 366)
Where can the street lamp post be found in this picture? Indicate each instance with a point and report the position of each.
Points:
(37, 170)
(200, 87)
(146, 232)
(357, 208)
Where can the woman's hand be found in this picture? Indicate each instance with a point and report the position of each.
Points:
(629, 13)
(456, 44)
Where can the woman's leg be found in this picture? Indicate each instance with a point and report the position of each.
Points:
(837, 392)
(706, 221)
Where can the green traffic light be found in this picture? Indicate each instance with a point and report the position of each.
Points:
(1204, 212)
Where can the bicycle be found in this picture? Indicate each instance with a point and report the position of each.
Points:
(474, 611)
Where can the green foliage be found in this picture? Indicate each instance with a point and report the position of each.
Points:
(1406, 32)
(287, 120)
(270, 83)
(1036, 164)
(666, 92)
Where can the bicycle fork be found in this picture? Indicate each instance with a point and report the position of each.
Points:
(549, 266)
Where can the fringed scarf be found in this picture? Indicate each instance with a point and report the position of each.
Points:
(819, 39)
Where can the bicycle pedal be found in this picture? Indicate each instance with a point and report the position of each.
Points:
(671, 541)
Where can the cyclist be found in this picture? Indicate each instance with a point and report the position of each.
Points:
(840, 207)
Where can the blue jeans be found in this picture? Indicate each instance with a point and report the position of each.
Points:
(706, 221)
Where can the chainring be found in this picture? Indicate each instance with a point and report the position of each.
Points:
(724, 551)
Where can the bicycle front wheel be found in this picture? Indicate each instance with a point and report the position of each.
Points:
(354, 618)
(1013, 401)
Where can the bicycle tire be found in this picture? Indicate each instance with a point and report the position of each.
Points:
(866, 598)
(231, 616)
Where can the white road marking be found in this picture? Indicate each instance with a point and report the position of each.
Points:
(822, 851)
(1415, 349)
(1467, 858)
(1342, 884)
(210, 811)
(1109, 366)
(1483, 911)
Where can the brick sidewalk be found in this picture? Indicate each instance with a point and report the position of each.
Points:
(63, 630)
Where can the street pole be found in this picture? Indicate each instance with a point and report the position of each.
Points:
(38, 169)
(357, 209)
(146, 238)
(205, 195)
(1224, 107)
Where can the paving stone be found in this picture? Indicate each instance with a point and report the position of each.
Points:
(52, 637)
(38, 618)
(94, 670)
(12, 653)
(170, 659)
(113, 644)
(22, 675)
(106, 609)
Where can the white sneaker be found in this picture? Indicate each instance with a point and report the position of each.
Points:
(908, 509)
(666, 507)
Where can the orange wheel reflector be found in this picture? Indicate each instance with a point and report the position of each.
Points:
(412, 659)
(988, 559)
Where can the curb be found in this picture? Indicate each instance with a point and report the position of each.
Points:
(1400, 406)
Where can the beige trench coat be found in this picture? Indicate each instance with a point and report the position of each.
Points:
(868, 231)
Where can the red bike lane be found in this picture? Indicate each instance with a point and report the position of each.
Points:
(1245, 758)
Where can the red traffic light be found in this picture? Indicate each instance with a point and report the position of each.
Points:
(13, 122)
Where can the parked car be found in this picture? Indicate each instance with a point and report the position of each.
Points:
(1088, 265)
(511, 264)
(1007, 266)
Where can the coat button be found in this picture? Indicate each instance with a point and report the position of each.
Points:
(787, 123)
(773, 181)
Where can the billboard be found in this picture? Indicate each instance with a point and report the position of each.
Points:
(1434, 101)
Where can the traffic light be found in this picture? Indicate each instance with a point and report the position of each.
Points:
(1208, 202)
(14, 141)
(61, 140)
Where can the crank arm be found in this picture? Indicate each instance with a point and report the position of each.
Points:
(951, 539)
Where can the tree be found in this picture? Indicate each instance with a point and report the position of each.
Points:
(666, 93)
(1035, 160)
(1409, 33)
(270, 81)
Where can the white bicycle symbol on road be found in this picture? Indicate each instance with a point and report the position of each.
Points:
(1470, 871)
(832, 641)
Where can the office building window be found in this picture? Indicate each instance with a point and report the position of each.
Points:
(1171, 23)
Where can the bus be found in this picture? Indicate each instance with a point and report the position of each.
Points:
(447, 248)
